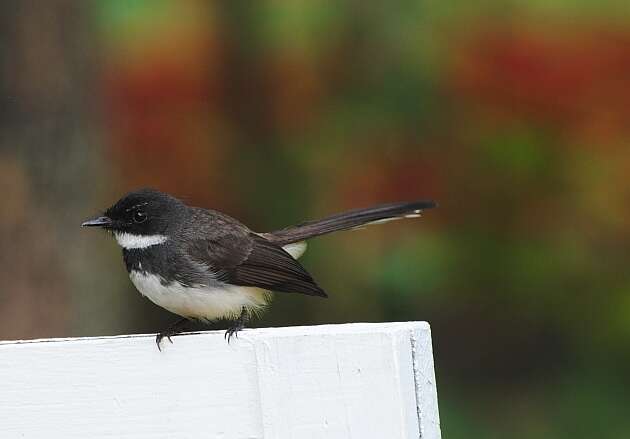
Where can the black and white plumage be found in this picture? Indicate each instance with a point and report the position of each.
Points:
(202, 264)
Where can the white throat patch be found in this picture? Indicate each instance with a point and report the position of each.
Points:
(130, 241)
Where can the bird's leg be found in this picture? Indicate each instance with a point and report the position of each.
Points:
(176, 328)
(237, 325)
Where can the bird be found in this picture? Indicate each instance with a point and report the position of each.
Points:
(204, 265)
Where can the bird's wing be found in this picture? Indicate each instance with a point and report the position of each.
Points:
(237, 256)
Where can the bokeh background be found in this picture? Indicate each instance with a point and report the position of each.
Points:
(514, 116)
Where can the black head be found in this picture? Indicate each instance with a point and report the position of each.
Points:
(142, 212)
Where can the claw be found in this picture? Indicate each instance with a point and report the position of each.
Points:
(232, 332)
(171, 331)
(237, 325)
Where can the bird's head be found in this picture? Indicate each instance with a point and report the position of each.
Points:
(141, 218)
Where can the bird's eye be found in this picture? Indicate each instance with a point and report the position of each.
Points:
(139, 216)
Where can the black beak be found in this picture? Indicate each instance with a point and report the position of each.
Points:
(101, 221)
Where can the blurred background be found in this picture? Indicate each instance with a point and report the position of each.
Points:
(514, 116)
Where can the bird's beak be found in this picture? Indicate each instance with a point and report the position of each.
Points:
(101, 221)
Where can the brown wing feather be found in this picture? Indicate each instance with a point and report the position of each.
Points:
(271, 267)
(240, 257)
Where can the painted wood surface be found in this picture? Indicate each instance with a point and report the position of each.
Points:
(333, 381)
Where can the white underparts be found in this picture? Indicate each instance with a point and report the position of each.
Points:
(130, 241)
(199, 301)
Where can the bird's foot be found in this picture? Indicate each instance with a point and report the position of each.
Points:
(233, 331)
(176, 328)
(236, 326)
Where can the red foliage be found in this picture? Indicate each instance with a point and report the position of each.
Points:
(158, 110)
(577, 78)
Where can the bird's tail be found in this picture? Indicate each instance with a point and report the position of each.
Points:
(349, 220)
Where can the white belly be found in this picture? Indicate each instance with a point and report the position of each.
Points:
(205, 303)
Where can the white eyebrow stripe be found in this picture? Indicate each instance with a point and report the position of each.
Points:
(130, 241)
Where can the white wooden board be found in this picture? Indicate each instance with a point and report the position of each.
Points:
(357, 381)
